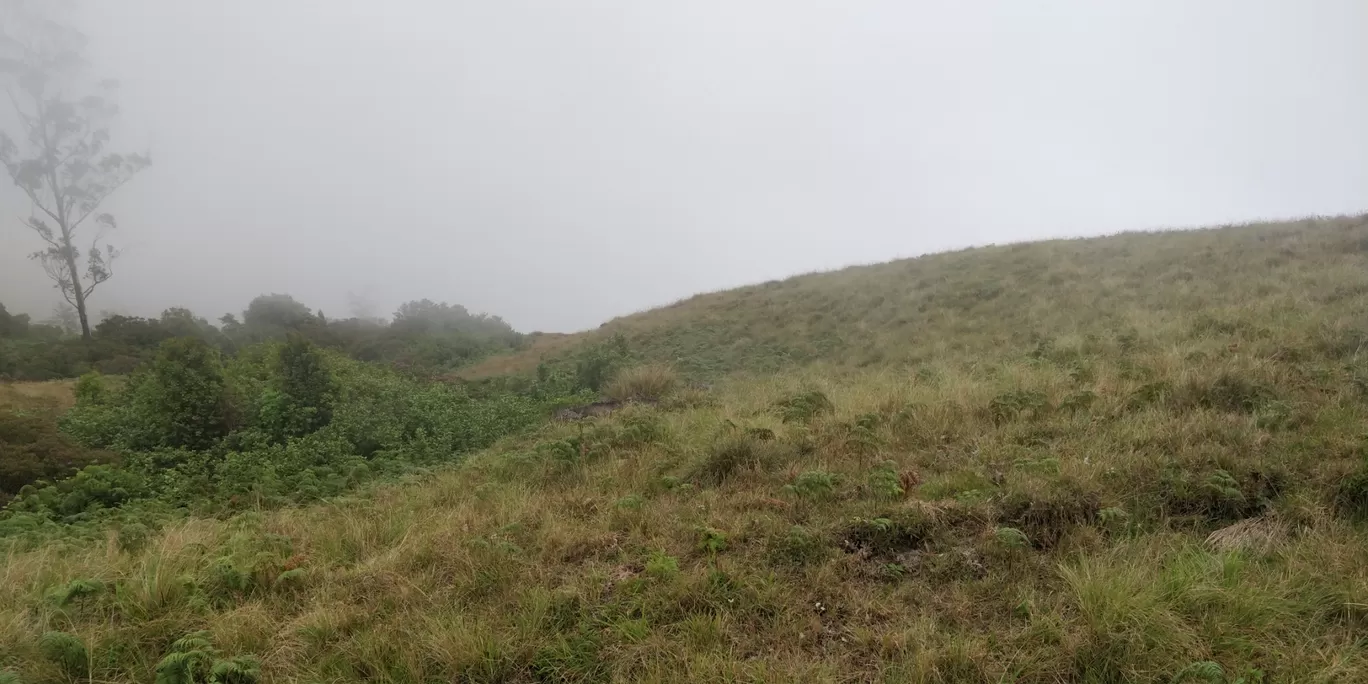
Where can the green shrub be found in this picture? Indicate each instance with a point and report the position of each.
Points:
(884, 482)
(598, 363)
(662, 565)
(797, 548)
(90, 388)
(177, 401)
(711, 541)
(812, 484)
(804, 406)
(1228, 392)
(194, 660)
(300, 399)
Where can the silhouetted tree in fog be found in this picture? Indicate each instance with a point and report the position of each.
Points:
(55, 152)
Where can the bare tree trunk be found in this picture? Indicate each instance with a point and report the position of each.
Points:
(76, 290)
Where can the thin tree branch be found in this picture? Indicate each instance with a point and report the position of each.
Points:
(95, 204)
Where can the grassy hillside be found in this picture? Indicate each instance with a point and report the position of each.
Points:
(1135, 458)
(989, 303)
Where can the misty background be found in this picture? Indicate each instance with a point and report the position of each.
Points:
(559, 164)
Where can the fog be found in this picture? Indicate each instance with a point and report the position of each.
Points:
(561, 163)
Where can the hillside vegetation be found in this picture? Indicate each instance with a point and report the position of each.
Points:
(1132, 458)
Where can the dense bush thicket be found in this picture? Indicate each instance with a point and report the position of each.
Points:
(424, 337)
(277, 422)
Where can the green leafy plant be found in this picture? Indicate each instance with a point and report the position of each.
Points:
(884, 482)
(194, 660)
(1011, 538)
(812, 484)
(73, 591)
(711, 541)
(804, 406)
(662, 565)
(67, 651)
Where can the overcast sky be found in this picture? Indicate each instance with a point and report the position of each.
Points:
(560, 163)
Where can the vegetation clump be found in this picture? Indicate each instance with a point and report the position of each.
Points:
(649, 383)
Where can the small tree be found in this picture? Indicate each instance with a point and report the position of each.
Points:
(57, 156)
(182, 396)
(13, 325)
(276, 311)
(304, 393)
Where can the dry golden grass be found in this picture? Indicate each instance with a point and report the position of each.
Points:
(1126, 459)
(541, 346)
(54, 395)
(649, 382)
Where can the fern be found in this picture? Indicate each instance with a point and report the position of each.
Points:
(1011, 537)
(1202, 671)
(236, 670)
(194, 641)
(884, 482)
(182, 668)
(74, 590)
(1223, 486)
(66, 650)
(188, 662)
(289, 578)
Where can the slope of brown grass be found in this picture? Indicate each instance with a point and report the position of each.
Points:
(53, 396)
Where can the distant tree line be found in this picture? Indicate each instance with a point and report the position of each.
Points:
(423, 337)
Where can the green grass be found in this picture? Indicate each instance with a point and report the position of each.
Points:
(1135, 458)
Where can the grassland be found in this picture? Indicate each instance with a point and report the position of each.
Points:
(36, 397)
(1133, 458)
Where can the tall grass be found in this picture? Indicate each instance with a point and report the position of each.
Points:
(1124, 459)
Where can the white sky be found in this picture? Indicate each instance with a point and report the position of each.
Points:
(560, 163)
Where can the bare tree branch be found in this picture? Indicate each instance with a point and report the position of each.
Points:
(57, 153)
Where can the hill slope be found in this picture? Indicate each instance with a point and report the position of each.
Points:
(1137, 458)
(987, 300)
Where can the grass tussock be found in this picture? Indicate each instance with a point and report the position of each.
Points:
(1137, 458)
(649, 383)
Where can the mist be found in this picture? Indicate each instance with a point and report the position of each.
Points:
(559, 164)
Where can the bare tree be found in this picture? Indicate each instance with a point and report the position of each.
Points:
(57, 155)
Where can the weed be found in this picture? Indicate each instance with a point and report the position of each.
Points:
(885, 483)
(797, 548)
(812, 484)
(662, 566)
(1011, 538)
(711, 541)
(1027, 404)
(804, 406)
